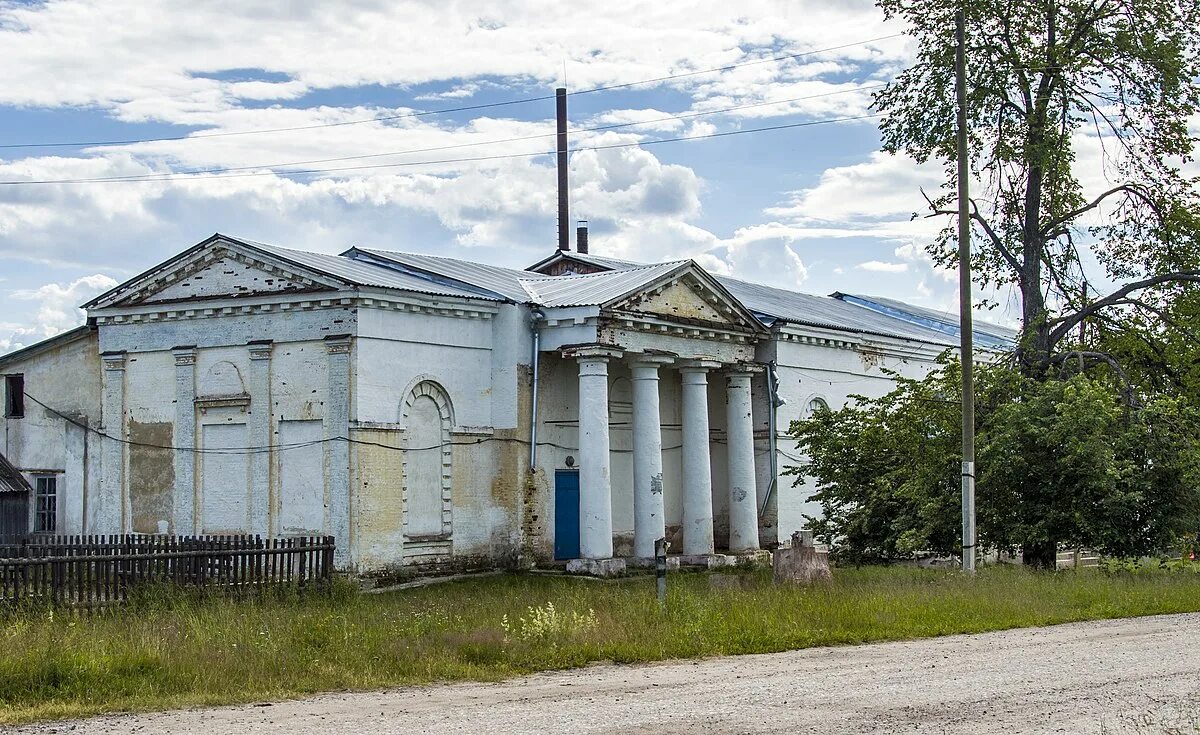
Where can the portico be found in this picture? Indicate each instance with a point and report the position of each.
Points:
(664, 386)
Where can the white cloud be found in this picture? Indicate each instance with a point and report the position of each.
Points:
(56, 309)
(878, 266)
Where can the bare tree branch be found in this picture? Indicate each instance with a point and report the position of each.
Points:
(1065, 323)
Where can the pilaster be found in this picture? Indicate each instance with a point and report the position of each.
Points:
(260, 436)
(184, 516)
(337, 445)
(110, 510)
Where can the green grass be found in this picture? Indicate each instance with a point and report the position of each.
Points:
(169, 651)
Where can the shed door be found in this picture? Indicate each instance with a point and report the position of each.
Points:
(566, 514)
(14, 514)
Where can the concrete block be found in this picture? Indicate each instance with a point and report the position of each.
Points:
(802, 563)
(707, 561)
(647, 562)
(755, 558)
(610, 567)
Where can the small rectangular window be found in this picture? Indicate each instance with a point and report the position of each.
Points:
(14, 396)
(45, 509)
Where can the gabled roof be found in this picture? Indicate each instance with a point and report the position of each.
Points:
(490, 280)
(597, 289)
(334, 271)
(11, 480)
(588, 258)
(843, 312)
(62, 338)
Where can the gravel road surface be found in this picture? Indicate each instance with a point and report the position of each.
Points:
(1119, 676)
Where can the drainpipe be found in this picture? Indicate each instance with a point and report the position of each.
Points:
(535, 319)
(772, 422)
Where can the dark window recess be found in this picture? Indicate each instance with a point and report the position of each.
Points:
(14, 396)
(45, 511)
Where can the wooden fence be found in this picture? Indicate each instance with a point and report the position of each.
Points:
(98, 570)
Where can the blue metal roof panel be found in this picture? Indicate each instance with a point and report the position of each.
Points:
(986, 334)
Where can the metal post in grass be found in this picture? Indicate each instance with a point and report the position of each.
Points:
(660, 570)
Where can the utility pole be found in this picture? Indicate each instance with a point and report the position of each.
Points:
(966, 346)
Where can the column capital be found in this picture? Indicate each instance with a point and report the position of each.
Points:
(593, 352)
(260, 349)
(742, 368)
(113, 360)
(338, 344)
(698, 366)
(184, 355)
(644, 360)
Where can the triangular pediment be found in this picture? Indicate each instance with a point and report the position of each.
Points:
(227, 274)
(218, 268)
(688, 296)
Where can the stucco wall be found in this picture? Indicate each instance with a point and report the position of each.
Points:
(66, 378)
(810, 370)
(479, 363)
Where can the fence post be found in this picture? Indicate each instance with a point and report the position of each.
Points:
(660, 571)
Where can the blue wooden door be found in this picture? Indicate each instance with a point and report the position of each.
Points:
(566, 514)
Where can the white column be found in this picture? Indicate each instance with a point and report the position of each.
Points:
(595, 488)
(184, 521)
(743, 495)
(260, 436)
(697, 467)
(337, 448)
(108, 514)
(649, 522)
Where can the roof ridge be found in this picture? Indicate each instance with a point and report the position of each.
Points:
(579, 276)
(438, 257)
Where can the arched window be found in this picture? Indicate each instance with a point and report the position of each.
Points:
(817, 404)
(428, 417)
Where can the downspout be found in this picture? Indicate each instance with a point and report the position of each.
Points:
(772, 422)
(535, 319)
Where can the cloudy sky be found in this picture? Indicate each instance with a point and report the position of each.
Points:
(815, 208)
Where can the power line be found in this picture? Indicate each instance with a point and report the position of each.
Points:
(266, 449)
(499, 141)
(441, 111)
(147, 178)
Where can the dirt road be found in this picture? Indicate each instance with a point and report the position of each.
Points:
(1122, 676)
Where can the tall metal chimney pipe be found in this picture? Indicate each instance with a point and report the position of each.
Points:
(564, 227)
(581, 237)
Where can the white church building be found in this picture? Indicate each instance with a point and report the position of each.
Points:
(431, 411)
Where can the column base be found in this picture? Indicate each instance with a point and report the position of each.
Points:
(707, 561)
(610, 567)
(649, 562)
(751, 558)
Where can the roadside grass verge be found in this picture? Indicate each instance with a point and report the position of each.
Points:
(167, 651)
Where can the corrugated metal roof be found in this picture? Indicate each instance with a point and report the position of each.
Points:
(501, 282)
(943, 320)
(595, 260)
(823, 311)
(772, 304)
(11, 481)
(363, 273)
(596, 288)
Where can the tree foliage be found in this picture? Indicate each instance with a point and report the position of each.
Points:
(1058, 461)
(1050, 81)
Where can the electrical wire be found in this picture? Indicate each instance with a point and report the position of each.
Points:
(148, 178)
(442, 111)
(498, 141)
(266, 449)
